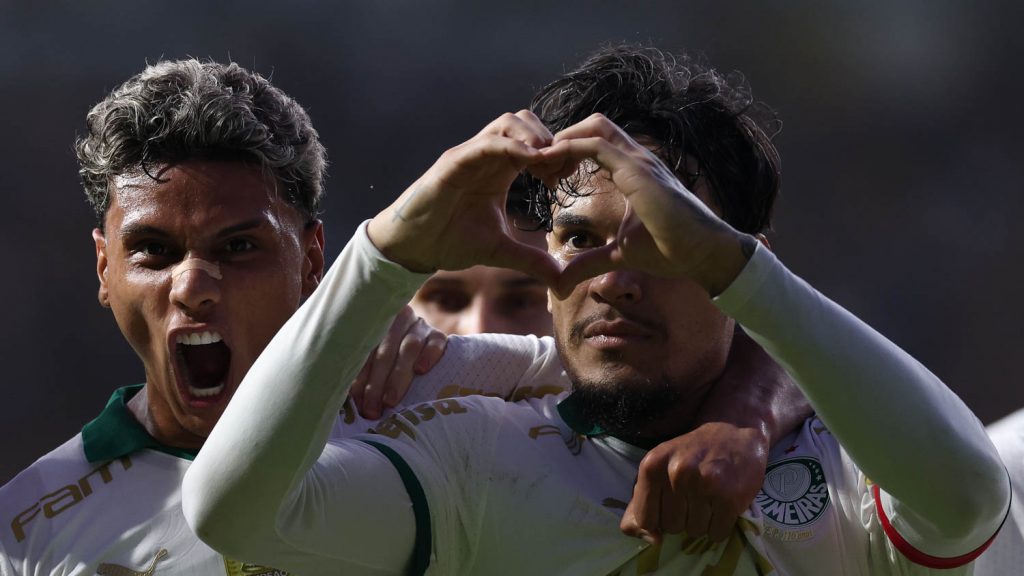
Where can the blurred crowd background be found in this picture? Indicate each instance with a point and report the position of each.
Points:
(901, 147)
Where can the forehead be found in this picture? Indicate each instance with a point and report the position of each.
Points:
(599, 204)
(483, 278)
(600, 201)
(195, 193)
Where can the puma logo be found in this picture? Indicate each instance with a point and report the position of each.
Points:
(117, 570)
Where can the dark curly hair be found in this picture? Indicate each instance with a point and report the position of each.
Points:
(687, 109)
(188, 109)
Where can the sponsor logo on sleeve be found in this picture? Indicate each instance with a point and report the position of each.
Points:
(794, 492)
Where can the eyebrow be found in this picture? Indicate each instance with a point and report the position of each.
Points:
(133, 229)
(570, 219)
(241, 227)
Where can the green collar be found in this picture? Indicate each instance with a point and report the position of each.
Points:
(570, 412)
(116, 432)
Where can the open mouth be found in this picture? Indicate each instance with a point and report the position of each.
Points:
(203, 361)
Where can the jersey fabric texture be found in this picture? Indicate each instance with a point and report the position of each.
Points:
(1006, 555)
(499, 488)
(108, 501)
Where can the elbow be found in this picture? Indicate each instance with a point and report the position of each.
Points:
(980, 506)
(210, 519)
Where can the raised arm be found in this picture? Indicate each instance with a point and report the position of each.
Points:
(896, 420)
(266, 486)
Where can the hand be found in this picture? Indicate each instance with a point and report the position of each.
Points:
(453, 217)
(667, 231)
(698, 483)
(411, 347)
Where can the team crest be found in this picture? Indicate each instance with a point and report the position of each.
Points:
(794, 492)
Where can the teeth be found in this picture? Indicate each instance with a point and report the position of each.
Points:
(197, 338)
(203, 392)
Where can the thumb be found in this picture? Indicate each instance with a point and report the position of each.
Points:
(588, 265)
(531, 260)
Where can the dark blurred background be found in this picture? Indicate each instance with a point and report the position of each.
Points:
(901, 147)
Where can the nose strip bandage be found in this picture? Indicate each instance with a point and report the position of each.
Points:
(211, 268)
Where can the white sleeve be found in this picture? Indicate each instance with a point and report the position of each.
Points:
(945, 491)
(501, 365)
(257, 490)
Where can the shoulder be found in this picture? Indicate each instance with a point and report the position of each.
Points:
(56, 467)
(44, 499)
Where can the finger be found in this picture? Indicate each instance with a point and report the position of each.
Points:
(510, 253)
(642, 517)
(400, 377)
(356, 391)
(588, 264)
(432, 352)
(673, 510)
(520, 127)
(478, 152)
(599, 125)
(537, 126)
(721, 524)
(382, 362)
(698, 512)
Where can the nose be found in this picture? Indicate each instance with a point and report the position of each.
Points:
(618, 286)
(194, 291)
(480, 317)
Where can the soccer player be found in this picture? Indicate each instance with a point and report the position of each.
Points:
(205, 180)
(662, 182)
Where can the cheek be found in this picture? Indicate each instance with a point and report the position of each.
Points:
(138, 302)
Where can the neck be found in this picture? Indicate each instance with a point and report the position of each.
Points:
(173, 436)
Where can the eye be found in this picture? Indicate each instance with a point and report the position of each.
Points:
(526, 302)
(580, 240)
(240, 245)
(450, 301)
(153, 249)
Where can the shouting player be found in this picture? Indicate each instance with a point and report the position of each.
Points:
(659, 180)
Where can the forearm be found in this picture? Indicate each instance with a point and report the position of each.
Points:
(898, 422)
(278, 420)
(755, 392)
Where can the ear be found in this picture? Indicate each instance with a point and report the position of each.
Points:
(101, 265)
(313, 264)
(763, 240)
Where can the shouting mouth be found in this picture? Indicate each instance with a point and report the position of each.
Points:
(201, 364)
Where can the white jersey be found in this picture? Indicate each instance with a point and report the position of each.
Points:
(108, 501)
(1006, 555)
(518, 485)
(487, 487)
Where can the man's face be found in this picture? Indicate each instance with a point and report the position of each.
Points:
(642, 347)
(485, 299)
(197, 335)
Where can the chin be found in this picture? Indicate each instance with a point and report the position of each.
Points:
(624, 402)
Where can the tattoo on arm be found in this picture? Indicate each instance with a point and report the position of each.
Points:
(398, 213)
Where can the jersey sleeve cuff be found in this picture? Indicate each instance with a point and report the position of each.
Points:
(421, 510)
(914, 554)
